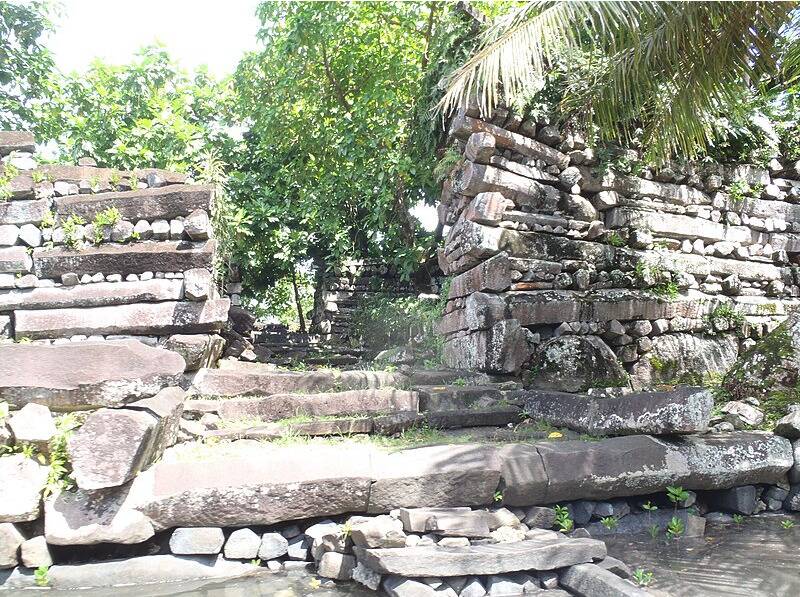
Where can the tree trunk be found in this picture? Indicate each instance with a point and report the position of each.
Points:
(298, 303)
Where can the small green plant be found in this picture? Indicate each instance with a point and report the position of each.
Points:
(256, 562)
(654, 530)
(498, 496)
(738, 518)
(615, 240)
(345, 530)
(444, 166)
(94, 182)
(73, 233)
(642, 577)
(7, 174)
(563, 520)
(460, 382)
(40, 576)
(104, 219)
(610, 522)
(675, 528)
(114, 180)
(676, 494)
(4, 410)
(37, 176)
(787, 524)
(668, 290)
(648, 506)
(48, 219)
(724, 317)
(133, 183)
(740, 189)
(58, 475)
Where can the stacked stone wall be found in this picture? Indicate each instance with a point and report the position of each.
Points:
(667, 271)
(96, 253)
(343, 290)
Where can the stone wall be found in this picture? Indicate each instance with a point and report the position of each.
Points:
(95, 253)
(340, 292)
(579, 274)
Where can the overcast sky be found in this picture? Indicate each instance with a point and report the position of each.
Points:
(211, 32)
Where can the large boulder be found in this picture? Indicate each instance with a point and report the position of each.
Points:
(114, 444)
(110, 373)
(575, 364)
(684, 358)
(33, 424)
(23, 480)
(91, 517)
(771, 366)
(10, 540)
(681, 411)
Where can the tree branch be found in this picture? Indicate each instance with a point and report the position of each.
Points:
(340, 96)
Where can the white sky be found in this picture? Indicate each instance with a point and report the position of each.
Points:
(211, 32)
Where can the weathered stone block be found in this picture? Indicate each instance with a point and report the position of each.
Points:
(196, 541)
(10, 540)
(575, 364)
(147, 319)
(111, 373)
(151, 204)
(681, 411)
(173, 256)
(11, 141)
(23, 480)
(92, 295)
(15, 260)
(590, 579)
(198, 350)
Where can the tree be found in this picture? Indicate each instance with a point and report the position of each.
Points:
(660, 72)
(146, 113)
(329, 170)
(25, 64)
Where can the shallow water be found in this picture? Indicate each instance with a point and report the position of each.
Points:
(758, 558)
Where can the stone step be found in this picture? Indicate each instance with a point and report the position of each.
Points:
(110, 373)
(163, 203)
(546, 553)
(680, 411)
(441, 377)
(351, 402)
(172, 256)
(237, 378)
(149, 319)
(457, 397)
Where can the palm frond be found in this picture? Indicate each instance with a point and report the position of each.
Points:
(517, 50)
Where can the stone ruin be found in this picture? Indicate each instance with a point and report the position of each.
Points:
(186, 467)
(90, 253)
(580, 276)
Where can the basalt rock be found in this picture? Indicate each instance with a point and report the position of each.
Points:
(681, 411)
(111, 373)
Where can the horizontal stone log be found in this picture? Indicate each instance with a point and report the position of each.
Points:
(547, 553)
(503, 348)
(110, 373)
(15, 260)
(16, 141)
(92, 295)
(103, 176)
(764, 208)
(246, 379)
(487, 208)
(463, 126)
(254, 484)
(147, 319)
(641, 464)
(352, 402)
(522, 170)
(537, 307)
(676, 226)
(124, 259)
(633, 185)
(163, 203)
(22, 212)
(681, 411)
(478, 178)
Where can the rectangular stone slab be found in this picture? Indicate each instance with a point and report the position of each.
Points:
(22, 212)
(247, 379)
(163, 203)
(92, 295)
(499, 558)
(14, 260)
(84, 375)
(680, 411)
(16, 141)
(170, 256)
(148, 319)
(352, 402)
